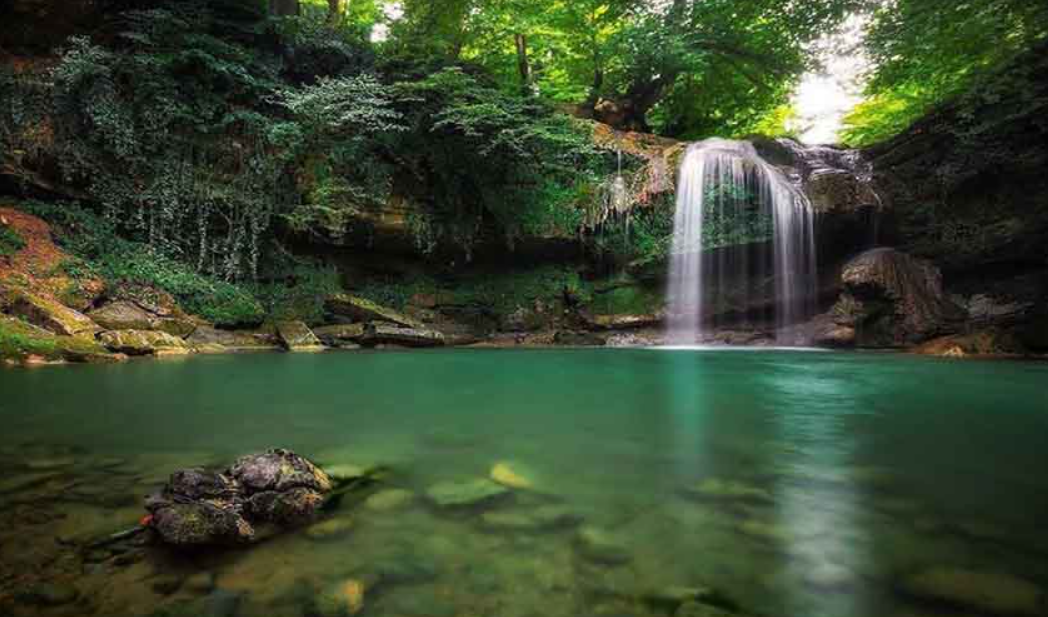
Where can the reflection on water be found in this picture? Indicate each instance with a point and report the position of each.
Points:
(788, 483)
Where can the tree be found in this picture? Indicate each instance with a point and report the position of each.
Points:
(924, 53)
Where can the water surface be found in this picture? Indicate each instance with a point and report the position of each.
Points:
(857, 468)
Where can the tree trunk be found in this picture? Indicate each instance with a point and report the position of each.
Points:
(523, 65)
(335, 12)
(283, 8)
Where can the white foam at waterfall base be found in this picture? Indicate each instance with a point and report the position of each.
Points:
(699, 277)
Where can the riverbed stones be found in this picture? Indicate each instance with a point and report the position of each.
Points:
(343, 598)
(730, 490)
(987, 591)
(329, 529)
(512, 475)
(467, 493)
(545, 517)
(601, 546)
(201, 583)
(389, 499)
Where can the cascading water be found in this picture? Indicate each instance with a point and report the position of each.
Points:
(732, 206)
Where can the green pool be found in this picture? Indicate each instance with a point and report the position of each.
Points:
(652, 482)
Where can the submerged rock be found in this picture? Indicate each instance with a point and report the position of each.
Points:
(465, 494)
(601, 546)
(512, 475)
(341, 599)
(537, 519)
(389, 499)
(331, 528)
(202, 507)
(716, 488)
(992, 592)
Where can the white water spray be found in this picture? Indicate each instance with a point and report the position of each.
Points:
(723, 182)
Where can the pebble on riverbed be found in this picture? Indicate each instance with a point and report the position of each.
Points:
(464, 494)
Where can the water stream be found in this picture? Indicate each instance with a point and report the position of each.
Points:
(743, 238)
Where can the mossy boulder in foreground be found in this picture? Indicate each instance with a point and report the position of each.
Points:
(204, 507)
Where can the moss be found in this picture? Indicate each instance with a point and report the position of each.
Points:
(19, 339)
(10, 241)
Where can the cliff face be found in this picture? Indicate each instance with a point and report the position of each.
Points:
(967, 184)
(966, 188)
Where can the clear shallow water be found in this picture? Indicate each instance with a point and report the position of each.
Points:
(857, 468)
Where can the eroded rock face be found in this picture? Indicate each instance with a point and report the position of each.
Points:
(891, 299)
(204, 507)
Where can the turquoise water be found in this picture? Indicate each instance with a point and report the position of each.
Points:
(845, 472)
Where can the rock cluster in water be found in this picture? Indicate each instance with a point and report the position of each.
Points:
(203, 507)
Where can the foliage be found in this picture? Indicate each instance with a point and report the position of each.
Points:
(926, 53)
(10, 241)
(162, 132)
(102, 252)
(501, 292)
(487, 156)
(299, 294)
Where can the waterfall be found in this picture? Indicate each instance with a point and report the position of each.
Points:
(743, 242)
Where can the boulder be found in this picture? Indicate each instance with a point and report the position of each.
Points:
(143, 342)
(205, 336)
(361, 310)
(296, 336)
(205, 507)
(892, 299)
(52, 315)
(344, 335)
(981, 591)
(390, 334)
(127, 315)
(122, 315)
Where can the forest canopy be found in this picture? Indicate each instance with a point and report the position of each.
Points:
(216, 132)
